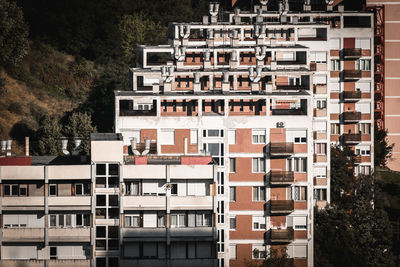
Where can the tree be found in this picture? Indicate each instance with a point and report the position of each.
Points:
(342, 166)
(13, 34)
(382, 150)
(137, 29)
(79, 126)
(49, 136)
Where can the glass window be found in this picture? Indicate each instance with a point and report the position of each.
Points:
(232, 165)
(258, 136)
(258, 165)
(258, 193)
(232, 193)
(232, 223)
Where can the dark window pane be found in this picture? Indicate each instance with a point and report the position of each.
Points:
(100, 182)
(113, 232)
(100, 262)
(113, 244)
(113, 213)
(112, 200)
(100, 231)
(113, 169)
(100, 244)
(100, 200)
(101, 169)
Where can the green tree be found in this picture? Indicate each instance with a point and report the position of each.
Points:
(382, 150)
(79, 126)
(13, 34)
(137, 29)
(49, 136)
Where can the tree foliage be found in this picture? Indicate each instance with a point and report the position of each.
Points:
(382, 150)
(49, 136)
(13, 34)
(355, 230)
(137, 29)
(79, 126)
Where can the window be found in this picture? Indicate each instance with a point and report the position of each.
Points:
(220, 178)
(335, 128)
(174, 189)
(79, 189)
(232, 252)
(363, 128)
(259, 223)
(203, 219)
(363, 151)
(167, 137)
(132, 220)
(321, 104)
(299, 193)
(320, 194)
(320, 148)
(53, 253)
(193, 136)
(15, 190)
(82, 220)
(178, 220)
(258, 136)
(300, 140)
(52, 190)
(217, 152)
(258, 193)
(363, 64)
(160, 220)
(320, 172)
(259, 252)
(297, 164)
(232, 136)
(335, 64)
(300, 222)
(232, 193)
(232, 165)
(213, 133)
(221, 240)
(53, 220)
(220, 211)
(258, 165)
(363, 170)
(132, 188)
(232, 223)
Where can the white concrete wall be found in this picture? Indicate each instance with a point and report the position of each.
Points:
(107, 151)
(22, 172)
(63, 172)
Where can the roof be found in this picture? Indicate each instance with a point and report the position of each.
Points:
(106, 137)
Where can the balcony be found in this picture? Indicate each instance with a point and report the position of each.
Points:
(142, 233)
(281, 177)
(351, 53)
(351, 74)
(351, 138)
(68, 263)
(69, 234)
(293, 87)
(349, 96)
(23, 203)
(193, 233)
(357, 159)
(282, 235)
(144, 202)
(23, 234)
(281, 206)
(152, 112)
(281, 149)
(192, 202)
(70, 203)
(351, 116)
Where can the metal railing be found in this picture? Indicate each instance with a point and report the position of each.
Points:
(281, 148)
(282, 235)
(281, 206)
(279, 177)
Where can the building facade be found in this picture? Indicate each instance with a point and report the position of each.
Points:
(387, 75)
(265, 93)
(116, 210)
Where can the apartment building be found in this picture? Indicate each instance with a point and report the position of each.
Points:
(387, 77)
(265, 93)
(114, 210)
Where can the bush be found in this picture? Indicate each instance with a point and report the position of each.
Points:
(3, 89)
(15, 108)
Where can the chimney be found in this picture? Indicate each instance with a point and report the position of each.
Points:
(27, 146)
(64, 144)
(9, 146)
(3, 146)
(146, 147)
(133, 147)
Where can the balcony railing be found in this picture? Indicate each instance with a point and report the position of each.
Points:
(351, 116)
(281, 206)
(138, 112)
(282, 177)
(293, 87)
(351, 95)
(351, 138)
(351, 74)
(278, 149)
(351, 53)
(282, 235)
(294, 111)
